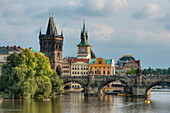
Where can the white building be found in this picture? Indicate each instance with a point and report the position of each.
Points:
(6, 51)
(79, 67)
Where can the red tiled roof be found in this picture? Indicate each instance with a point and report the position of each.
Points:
(80, 60)
(118, 68)
(21, 48)
(137, 61)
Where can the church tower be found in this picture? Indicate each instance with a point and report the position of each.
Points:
(51, 44)
(83, 48)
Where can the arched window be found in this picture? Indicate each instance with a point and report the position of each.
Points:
(100, 62)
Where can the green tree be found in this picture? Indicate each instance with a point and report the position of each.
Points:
(131, 72)
(29, 74)
(57, 84)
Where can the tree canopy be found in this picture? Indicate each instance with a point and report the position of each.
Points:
(29, 74)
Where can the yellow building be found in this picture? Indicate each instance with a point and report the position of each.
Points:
(102, 66)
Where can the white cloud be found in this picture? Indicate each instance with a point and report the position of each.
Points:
(102, 32)
(150, 11)
(102, 7)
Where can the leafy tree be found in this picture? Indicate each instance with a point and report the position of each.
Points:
(131, 72)
(29, 74)
(57, 83)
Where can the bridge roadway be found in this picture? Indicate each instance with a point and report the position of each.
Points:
(138, 86)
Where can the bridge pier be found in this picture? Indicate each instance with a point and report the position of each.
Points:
(139, 91)
(91, 91)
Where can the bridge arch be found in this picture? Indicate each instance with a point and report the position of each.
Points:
(68, 81)
(150, 87)
(104, 84)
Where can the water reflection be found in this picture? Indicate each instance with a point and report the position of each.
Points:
(78, 103)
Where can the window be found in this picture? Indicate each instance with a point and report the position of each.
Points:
(100, 62)
(56, 46)
(59, 46)
(82, 50)
(103, 72)
(95, 72)
(108, 72)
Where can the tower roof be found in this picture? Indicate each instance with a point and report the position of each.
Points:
(51, 29)
(84, 37)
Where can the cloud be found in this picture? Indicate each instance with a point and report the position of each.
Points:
(102, 32)
(151, 11)
(101, 7)
(11, 8)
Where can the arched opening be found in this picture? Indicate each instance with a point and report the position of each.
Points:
(73, 87)
(157, 87)
(113, 87)
(58, 70)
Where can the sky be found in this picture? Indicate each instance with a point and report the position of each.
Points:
(115, 27)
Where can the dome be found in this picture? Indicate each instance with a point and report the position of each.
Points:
(126, 57)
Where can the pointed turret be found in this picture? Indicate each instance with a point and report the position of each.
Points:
(84, 36)
(51, 29)
(40, 31)
(61, 32)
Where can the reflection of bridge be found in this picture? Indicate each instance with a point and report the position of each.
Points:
(138, 86)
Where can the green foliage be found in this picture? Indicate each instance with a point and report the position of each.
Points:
(57, 83)
(157, 71)
(132, 71)
(29, 74)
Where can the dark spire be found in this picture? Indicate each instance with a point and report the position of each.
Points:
(51, 29)
(84, 28)
(84, 36)
(40, 31)
(61, 32)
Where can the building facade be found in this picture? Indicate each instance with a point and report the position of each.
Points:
(66, 67)
(135, 64)
(5, 52)
(51, 44)
(102, 66)
(126, 63)
(79, 67)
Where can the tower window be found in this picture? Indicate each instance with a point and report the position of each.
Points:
(100, 62)
(59, 46)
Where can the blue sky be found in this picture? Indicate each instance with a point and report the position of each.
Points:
(115, 27)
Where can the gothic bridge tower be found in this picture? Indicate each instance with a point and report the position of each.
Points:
(83, 48)
(51, 44)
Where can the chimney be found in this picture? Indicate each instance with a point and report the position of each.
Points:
(14, 46)
(7, 47)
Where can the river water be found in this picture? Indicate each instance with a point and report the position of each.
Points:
(78, 103)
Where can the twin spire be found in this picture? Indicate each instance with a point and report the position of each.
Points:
(84, 36)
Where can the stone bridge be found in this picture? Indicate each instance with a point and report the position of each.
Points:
(138, 86)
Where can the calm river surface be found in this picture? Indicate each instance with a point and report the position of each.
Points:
(77, 103)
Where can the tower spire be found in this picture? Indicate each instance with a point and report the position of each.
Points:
(40, 31)
(61, 32)
(84, 27)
